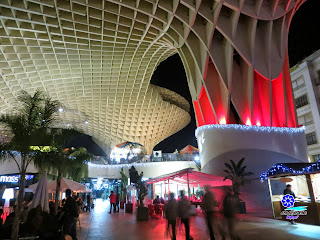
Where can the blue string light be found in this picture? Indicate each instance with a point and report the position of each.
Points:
(250, 128)
(280, 169)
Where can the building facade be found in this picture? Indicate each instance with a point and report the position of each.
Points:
(305, 78)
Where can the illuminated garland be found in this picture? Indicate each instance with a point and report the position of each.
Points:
(280, 168)
(250, 128)
(149, 164)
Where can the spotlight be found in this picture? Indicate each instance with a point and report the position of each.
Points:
(86, 122)
(60, 109)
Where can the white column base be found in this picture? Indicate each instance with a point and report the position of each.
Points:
(262, 148)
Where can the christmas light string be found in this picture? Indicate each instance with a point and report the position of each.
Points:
(250, 128)
(280, 168)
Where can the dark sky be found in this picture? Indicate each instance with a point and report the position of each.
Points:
(170, 74)
(304, 32)
(303, 41)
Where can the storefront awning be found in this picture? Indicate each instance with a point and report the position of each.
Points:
(285, 169)
(195, 178)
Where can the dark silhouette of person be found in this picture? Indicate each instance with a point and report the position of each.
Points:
(184, 208)
(208, 207)
(88, 203)
(71, 214)
(229, 212)
(117, 202)
(157, 200)
(171, 214)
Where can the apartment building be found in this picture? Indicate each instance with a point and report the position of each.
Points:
(305, 79)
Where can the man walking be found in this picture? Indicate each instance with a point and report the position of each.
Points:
(171, 215)
(208, 207)
(112, 202)
(117, 202)
(71, 212)
(229, 212)
(88, 203)
(184, 208)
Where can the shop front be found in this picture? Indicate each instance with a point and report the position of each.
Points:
(303, 205)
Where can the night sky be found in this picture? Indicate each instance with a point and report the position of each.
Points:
(170, 74)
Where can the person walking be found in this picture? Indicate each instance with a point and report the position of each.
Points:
(112, 201)
(117, 202)
(289, 191)
(208, 207)
(171, 215)
(229, 212)
(88, 203)
(184, 208)
(71, 214)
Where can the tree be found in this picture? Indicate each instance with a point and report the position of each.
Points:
(141, 187)
(26, 127)
(237, 174)
(124, 183)
(65, 162)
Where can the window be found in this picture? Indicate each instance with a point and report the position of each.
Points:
(305, 119)
(311, 138)
(301, 101)
(316, 158)
(297, 83)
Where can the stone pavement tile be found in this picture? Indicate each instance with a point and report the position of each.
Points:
(99, 225)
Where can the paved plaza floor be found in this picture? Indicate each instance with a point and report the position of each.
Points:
(99, 224)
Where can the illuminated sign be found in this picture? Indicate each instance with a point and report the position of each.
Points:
(292, 212)
(13, 178)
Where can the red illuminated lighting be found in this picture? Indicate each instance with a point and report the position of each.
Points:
(198, 113)
(206, 107)
(258, 123)
(223, 121)
(248, 122)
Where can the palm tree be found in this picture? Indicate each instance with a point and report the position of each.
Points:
(237, 174)
(26, 127)
(65, 162)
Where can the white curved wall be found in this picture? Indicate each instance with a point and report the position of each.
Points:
(262, 148)
(150, 170)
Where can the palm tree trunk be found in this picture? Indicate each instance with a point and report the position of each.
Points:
(16, 222)
(56, 201)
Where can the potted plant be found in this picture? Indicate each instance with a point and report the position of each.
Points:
(142, 190)
(237, 174)
(124, 183)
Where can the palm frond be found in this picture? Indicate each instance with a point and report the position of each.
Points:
(240, 163)
(234, 167)
(229, 167)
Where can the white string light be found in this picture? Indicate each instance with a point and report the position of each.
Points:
(250, 128)
(149, 164)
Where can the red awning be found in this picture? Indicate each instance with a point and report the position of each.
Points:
(189, 150)
(195, 178)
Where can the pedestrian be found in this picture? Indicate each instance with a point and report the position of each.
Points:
(208, 207)
(112, 202)
(289, 191)
(157, 200)
(71, 214)
(229, 212)
(171, 211)
(88, 203)
(184, 208)
(117, 202)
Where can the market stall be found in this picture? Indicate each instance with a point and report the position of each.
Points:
(186, 179)
(304, 179)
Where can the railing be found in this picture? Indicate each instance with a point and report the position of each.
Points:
(166, 157)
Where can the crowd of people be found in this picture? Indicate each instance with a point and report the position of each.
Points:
(181, 210)
(63, 223)
(47, 225)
